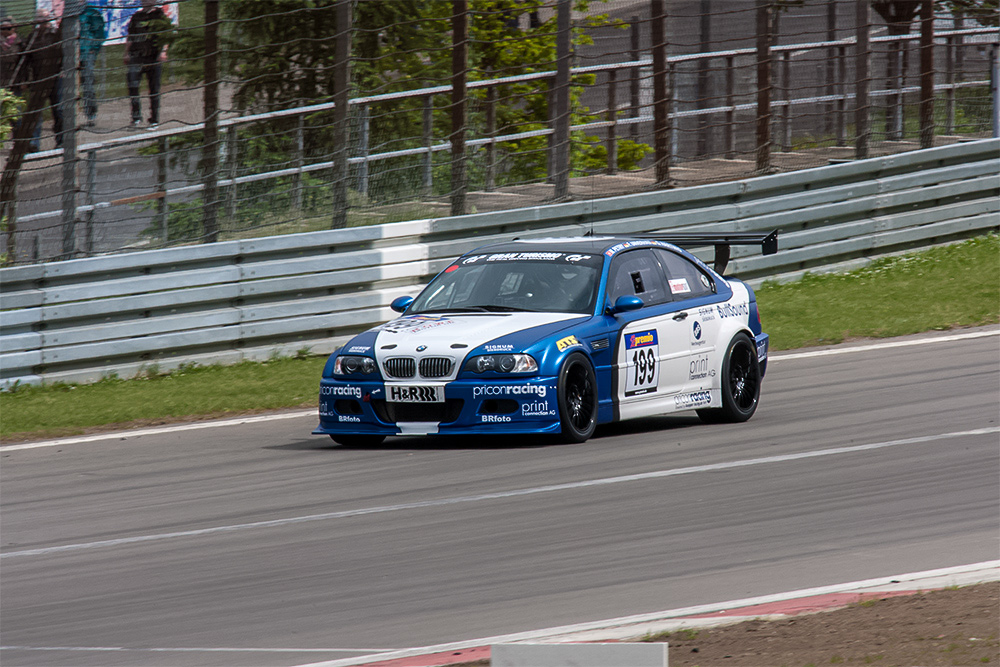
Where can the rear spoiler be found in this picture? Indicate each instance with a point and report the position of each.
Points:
(722, 241)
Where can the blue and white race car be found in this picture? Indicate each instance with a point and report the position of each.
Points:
(555, 336)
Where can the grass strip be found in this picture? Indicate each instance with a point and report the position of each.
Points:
(940, 288)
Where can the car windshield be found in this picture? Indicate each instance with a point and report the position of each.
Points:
(507, 282)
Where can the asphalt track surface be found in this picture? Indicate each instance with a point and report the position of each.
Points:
(259, 544)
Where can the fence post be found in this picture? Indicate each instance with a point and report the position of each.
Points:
(459, 59)
(841, 91)
(704, 46)
(786, 95)
(562, 112)
(661, 95)
(612, 117)
(363, 114)
(210, 148)
(341, 99)
(634, 91)
(831, 63)
(88, 241)
(428, 136)
(232, 170)
(862, 79)
(729, 131)
(300, 159)
(162, 207)
(764, 11)
(491, 131)
(67, 111)
(995, 86)
(949, 93)
(927, 73)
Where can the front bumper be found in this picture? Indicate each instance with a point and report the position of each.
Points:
(525, 405)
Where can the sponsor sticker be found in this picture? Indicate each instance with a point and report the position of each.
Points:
(706, 314)
(499, 348)
(537, 409)
(481, 390)
(340, 390)
(699, 368)
(733, 310)
(359, 349)
(679, 286)
(397, 393)
(348, 418)
(494, 418)
(697, 334)
(761, 350)
(525, 256)
(693, 400)
(567, 342)
(642, 355)
(414, 324)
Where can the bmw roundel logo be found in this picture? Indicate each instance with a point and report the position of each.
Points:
(697, 330)
(421, 348)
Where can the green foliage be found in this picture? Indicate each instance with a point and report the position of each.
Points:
(10, 109)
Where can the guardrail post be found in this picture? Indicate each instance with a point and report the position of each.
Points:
(459, 60)
(300, 152)
(428, 136)
(67, 110)
(764, 12)
(729, 130)
(491, 131)
(612, 117)
(363, 148)
(862, 78)
(88, 241)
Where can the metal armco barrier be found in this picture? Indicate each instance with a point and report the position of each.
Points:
(80, 320)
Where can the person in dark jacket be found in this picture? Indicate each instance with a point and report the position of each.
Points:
(42, 57)
(145, 51)
(92, 36)
(10, 54)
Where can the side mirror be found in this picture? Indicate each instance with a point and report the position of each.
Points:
(401, 303)
(625, 304)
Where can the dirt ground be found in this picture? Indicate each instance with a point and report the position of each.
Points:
(946, 627)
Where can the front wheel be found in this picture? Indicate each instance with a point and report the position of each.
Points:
(740, 383)
(577, 395)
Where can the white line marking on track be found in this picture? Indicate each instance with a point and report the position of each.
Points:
(197, 649)
(549, 634)
(123, 435)
(500, 495)
(884, 346)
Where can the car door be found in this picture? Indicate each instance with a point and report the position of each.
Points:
(651, 360)
(692, 291)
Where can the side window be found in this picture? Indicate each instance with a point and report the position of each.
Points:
(684, 279)
(637, 273)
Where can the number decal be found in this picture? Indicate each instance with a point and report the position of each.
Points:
(642, 354)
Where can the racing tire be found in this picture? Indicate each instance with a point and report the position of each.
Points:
(740, 384)
(577, 398)
(357, 440)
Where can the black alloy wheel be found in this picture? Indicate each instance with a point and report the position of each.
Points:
(577, 395)
(740, 383)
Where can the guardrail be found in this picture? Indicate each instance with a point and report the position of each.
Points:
(79, 320)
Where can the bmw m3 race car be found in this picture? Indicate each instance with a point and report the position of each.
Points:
(555, 336)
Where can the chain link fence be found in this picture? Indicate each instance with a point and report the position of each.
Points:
(275, 117)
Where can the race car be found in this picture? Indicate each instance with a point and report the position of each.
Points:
(555, 336)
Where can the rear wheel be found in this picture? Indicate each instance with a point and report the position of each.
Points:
(358, 440)
(577, 395)
(740, 383)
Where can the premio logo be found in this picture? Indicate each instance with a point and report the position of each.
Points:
(640, 339)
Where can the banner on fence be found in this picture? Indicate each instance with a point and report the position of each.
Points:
(116, 14)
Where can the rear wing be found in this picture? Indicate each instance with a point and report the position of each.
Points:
(722, 241)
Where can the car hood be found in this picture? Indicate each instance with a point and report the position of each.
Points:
(454, 335)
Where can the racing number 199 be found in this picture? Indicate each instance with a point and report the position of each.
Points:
(644, 360)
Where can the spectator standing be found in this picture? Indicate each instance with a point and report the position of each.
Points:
(92, 36)
(42, 56)
(145, 52)
(10, 53)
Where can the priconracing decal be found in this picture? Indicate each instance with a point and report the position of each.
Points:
(480, 390)
(340, 390)
(642, 353)
(693, 400)
(567, 342)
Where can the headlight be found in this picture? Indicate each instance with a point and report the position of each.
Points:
(351, 365)
(502, 363)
